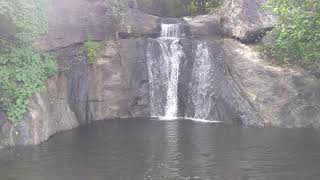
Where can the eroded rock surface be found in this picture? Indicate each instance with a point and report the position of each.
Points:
(118, 82)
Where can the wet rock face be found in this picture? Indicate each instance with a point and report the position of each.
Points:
(206, 88)
(203, 92)
(60, 106)
(118, 82)
(115, 86)
(80, 93)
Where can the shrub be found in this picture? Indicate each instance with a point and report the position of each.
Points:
(23, 70)
(118, 9)
(297, 33)
(93, 49)
(178, 8)
(202, 6)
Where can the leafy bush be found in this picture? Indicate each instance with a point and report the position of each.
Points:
(23, 70)
(117, 9)
(93, 49)
(178, 8)
(202, 6)
(297, 33)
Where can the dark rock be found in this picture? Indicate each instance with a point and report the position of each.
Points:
(5, 128)
(140, 24)
(205, 25)
(48, 113)
(187, 44)
(73, 21)
(133, 4)
(2, 118)
(287, 97)
(62, 104)
(245, 19)
(206, 89)
(118, 82)
(7, 29)
(165, 8)
(240, 86)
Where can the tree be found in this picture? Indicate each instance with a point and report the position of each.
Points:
(297, 33)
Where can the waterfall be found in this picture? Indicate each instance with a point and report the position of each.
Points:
(198, 79)
(163, 59)
(201, 77)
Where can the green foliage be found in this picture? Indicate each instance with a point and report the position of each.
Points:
(23, 70)
(27, 16)
(93, 49)
(178, 8)
(118, 9)
(202, 6)
(297, 33)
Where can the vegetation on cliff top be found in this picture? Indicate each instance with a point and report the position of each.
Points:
(177, 8)
(23, 70)
(118, 9)
(297, 34)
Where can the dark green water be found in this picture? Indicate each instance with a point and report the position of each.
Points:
(148, 149)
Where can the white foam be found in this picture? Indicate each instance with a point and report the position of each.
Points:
(201, 120)
(162, 118)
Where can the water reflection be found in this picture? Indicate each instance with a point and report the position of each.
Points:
(137, 149)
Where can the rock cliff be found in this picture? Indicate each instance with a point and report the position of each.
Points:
(116, 85)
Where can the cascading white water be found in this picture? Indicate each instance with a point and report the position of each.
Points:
(170, 31)
(200, 74)
(164, 70)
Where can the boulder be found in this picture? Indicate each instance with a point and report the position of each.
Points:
(246, 20)
(205, 25)
(139, 24)
(285, 97)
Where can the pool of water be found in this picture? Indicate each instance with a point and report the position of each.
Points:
(151, 149)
